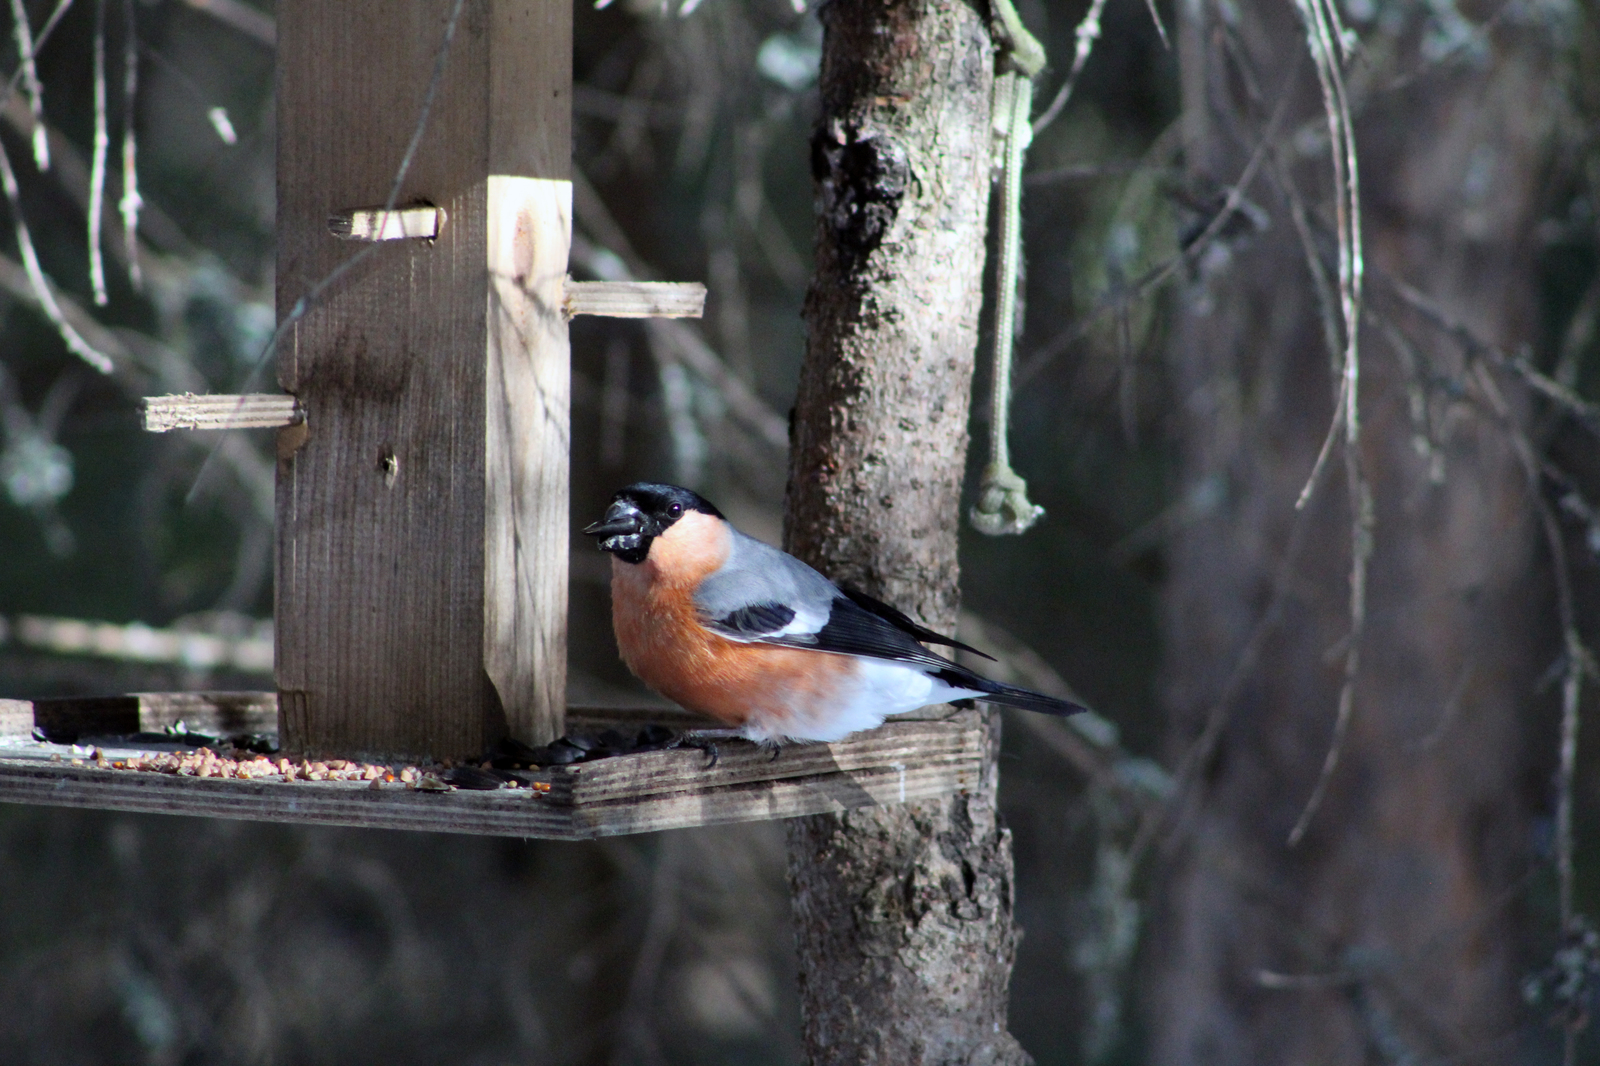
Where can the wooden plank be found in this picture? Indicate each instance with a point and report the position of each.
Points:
(721, 795)
(636, 299)
(765, 801)
(16, 718)
(527, 443)
(508, 813)
(189, 410)
(505, 813)
(528, 381)
(253, 711)
(929, 744)
(212, 713)
(413, 593)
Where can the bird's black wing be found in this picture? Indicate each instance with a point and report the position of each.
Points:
(754, 621)
(853, 630)
(901, 622)
(762, 594)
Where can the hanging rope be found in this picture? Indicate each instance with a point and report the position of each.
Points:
(1003, 506)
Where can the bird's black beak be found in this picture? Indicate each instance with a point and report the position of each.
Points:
(622, 519)
(624, 532)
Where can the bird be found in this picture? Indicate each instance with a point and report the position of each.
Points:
(743, 633)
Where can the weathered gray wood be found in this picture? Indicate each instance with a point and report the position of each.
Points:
(188, 410)
(763, 801)
(16, 718)
(212, 713)
(423, 519)
(896, 744)
(636, 299)
(257, 712)
(518, 812)
(902, 762)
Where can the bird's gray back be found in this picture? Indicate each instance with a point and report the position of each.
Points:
(755, 573)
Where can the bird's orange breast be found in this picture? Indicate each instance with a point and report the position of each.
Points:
(661, 638)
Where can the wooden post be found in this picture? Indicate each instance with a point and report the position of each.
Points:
(422, 503)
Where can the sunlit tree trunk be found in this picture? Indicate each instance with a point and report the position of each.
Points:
(1388, 933)
(903, 915)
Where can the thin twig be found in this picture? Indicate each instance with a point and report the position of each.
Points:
(1586, 413)
(131, 201)
(1360, 553)
(1416, 395)
(97, 163)
(36, 279)
(1334, 427)
(1577, 658)
(29, 71)
(1326, 41)
(1305, 230)
(1086, 34)
(1161, 273)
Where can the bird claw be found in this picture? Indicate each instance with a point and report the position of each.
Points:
(701, 743)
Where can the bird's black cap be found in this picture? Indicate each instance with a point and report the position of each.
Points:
(641, 512)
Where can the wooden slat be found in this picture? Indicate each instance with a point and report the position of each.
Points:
(189, 410)
(918, 761)
(765, 801)
(740, 762)
(506, 813)
(212, 713)
(255, 711)
(527, 435)
(16, 718)
(636, 299)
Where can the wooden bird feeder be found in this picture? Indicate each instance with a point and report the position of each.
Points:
(423, 465)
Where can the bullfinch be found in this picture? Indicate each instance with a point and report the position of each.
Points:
(726, 626)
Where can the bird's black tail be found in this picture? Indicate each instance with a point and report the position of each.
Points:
(1010, 695)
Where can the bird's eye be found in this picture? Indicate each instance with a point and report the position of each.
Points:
(675, 511)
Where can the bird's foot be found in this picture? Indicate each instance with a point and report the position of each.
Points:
(706, 740)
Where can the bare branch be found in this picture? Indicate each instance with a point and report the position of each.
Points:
(131, 201)
(1086, 34)
(97, 165)
(39, 284)
(30, 81)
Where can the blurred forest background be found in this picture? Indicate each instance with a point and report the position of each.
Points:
(127, 938)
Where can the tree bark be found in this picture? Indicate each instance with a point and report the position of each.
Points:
(1385, 935)
(903, 915)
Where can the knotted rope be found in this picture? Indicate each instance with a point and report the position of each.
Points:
(1003, 506)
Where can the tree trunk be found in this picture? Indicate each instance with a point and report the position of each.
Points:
(903, 915)
(1385, 935)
